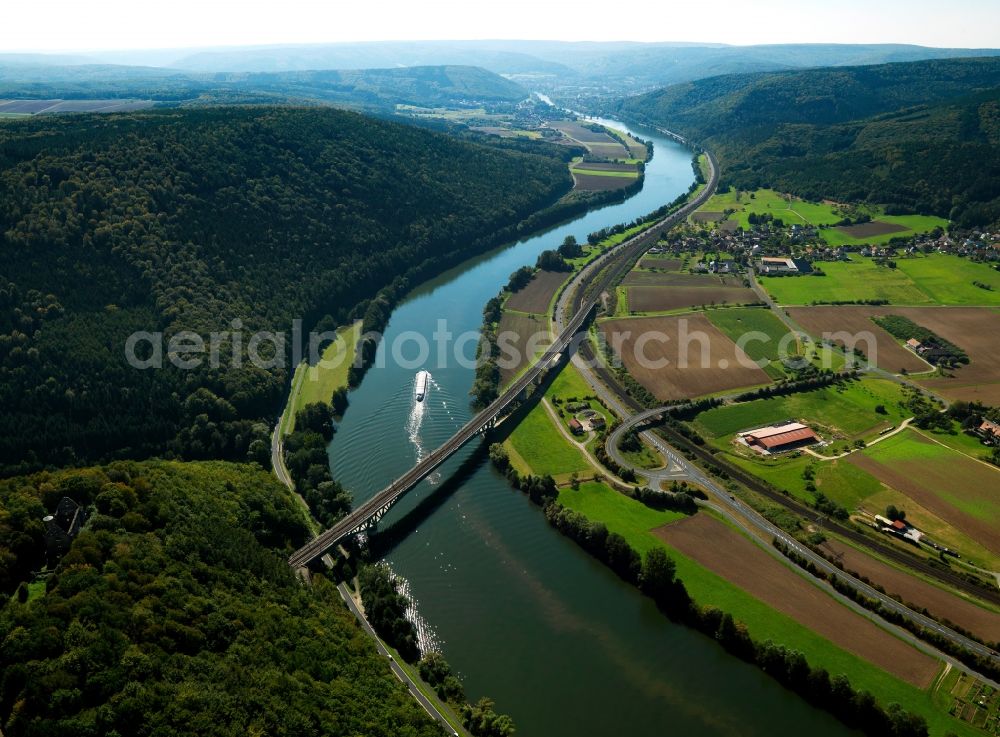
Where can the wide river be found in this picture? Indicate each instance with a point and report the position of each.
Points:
(522, 613)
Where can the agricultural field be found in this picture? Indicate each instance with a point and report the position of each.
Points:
(846, 412)
(964, 613)
(974, 330)
(795, 211)
(730, 555)
(660, 263)
(757, 322)
(791, 210)
(882, 230)
(515, 333)
(598, 182)
(667, 298)
(639, 525)
(537, 295)
(682, 357)
(637, 278)
(940, 279)
(948, 280)
(887, 353)
(956, 488)
(846, 281)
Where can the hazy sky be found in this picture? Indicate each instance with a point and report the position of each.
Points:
(66, 25)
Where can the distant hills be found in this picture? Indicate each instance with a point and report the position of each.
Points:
(361, 88)
(573, 67)
(919, 136)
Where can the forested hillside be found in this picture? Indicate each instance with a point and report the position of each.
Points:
(919, 136)
(380, 89)
(208, 220)
(174, 612)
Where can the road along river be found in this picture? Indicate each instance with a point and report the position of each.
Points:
(521, 612)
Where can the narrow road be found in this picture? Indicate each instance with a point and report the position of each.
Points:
(398, 670)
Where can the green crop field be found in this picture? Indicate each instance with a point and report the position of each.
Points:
(920, 280)
(738, 324)
(915, 224)
(846, 281)
(849, 409)
(960, 481)
(634, 521)
(948, 280)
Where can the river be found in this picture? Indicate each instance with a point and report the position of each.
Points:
(522, 613)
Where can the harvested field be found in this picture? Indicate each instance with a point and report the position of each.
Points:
(597, 183)
(959, 490)
(646, 279)
(974, 330)
(704, 216)
(535, 297)
(730, 226)
(738, 560)
(608, 150)
(661, 299)
(872, 229)
(573, 129)
(513, 336)
(660, 262)
(888, 355)
(965, 614)
(711, 361)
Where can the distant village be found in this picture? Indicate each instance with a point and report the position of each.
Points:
(779, 250)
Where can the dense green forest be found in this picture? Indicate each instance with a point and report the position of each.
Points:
(174, 612)
(229, 220)
(921, 136)
(361, 88)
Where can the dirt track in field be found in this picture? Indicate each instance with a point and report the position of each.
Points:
(700, 359)
(733, 557)
(940, 603)
(535, 297)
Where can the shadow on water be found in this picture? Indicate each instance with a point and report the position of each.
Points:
(384, 541)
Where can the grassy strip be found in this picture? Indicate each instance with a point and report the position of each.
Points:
(634, 522)
(318, 383)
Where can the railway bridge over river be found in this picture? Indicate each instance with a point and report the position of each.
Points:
(370, 512)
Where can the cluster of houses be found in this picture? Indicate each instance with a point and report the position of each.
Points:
(769, 245)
